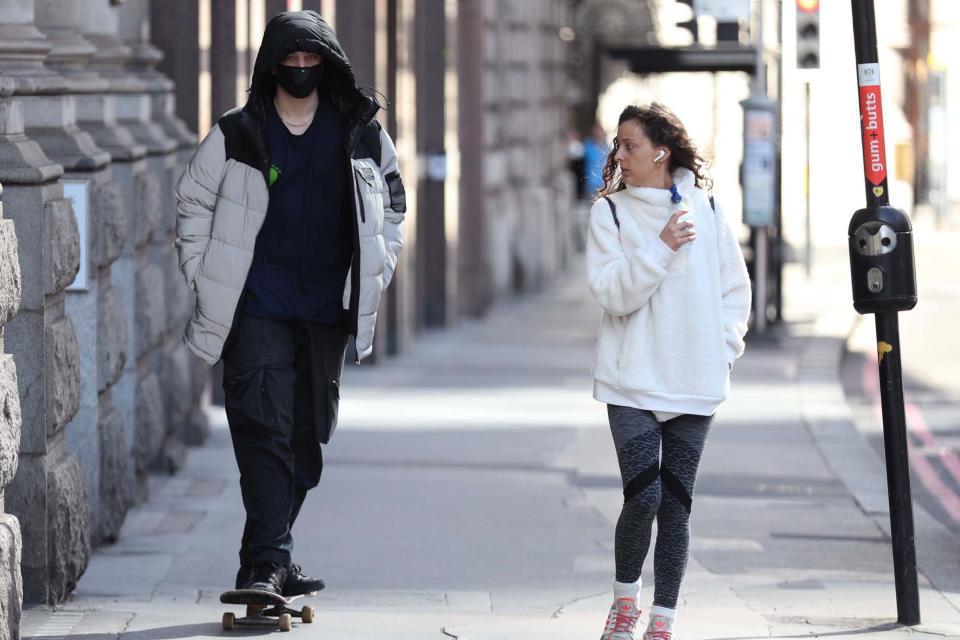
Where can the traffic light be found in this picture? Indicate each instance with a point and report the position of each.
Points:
(691, 24)
(808, 34)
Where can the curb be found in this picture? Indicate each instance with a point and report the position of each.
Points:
(847, 453)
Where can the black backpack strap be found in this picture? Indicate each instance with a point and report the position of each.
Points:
(613, 211)
(370, 142)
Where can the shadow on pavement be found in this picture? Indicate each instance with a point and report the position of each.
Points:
(174, 632)
(887, 626)
(934, 442)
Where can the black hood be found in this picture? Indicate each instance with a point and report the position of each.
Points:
(305, 31)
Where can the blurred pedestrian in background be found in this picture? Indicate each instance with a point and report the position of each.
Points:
(595, 150)
(668, 272)
(575, 161)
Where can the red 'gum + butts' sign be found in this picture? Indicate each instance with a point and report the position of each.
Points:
(871, 124)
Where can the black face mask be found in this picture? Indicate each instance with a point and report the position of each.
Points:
(299, 82)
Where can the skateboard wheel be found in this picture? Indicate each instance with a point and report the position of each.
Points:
(228, 621)
(306, 614)
(285, 622)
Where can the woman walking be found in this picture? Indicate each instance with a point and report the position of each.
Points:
(670, 276)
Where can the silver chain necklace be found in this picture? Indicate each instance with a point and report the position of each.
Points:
(289, 123)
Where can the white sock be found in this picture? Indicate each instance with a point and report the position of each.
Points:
(661, 618)
(626, 589)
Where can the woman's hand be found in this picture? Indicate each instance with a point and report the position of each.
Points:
(677, 233)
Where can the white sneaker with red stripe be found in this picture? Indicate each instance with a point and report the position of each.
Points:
(660, 628)
(622, 620)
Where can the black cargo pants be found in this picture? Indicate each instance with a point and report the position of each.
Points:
(281, 382)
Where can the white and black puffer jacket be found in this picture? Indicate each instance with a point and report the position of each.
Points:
(222, 196)
(673, 321)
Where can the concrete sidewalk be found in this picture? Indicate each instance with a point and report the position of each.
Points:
(472, 490)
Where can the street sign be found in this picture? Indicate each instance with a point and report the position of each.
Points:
(874, 151)
(759, 162)
(436, 167)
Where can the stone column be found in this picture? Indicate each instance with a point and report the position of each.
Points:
(177, 34)
(403, 299)
(356, 30)
(183, 377)
(228, 55)
(11, 584)
(273, 7)
(143, 157)
(48, 493)
(473, 270)
(528, 193)
(356, 27)
(137, 31)
(96, 436)
(551, 190)
(430, 65)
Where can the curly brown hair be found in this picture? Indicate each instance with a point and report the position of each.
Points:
(664, 129)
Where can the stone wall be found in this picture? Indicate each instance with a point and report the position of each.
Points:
(528, 191)
(11, 586)
(48, 493)
(89, 149)
(180, 377)
(91, 301)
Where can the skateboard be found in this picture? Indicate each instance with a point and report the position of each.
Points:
(263, 609)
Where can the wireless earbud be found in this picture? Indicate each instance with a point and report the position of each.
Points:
(660, 155)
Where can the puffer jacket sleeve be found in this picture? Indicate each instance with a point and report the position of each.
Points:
(196, 193)
(394, 205)
(622, 282)
(735, 285)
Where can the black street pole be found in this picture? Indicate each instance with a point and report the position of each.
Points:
(895, 447)
(887, 324)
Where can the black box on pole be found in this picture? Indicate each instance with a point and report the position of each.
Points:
(881, 260)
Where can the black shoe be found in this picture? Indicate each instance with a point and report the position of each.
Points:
(299, 584)
(269, 577)
(243, 576)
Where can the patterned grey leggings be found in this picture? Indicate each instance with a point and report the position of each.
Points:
(655, 488)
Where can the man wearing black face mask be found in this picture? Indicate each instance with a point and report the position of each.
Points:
(288, 228)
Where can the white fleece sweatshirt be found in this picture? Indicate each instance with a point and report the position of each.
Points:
(673, 322)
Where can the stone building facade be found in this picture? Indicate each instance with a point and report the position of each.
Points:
(11, 585)
(94, 97)
(89, 149)
(527, 189)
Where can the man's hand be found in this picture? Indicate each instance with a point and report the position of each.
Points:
(677, 233)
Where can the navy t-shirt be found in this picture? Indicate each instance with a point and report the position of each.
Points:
(303, 251)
